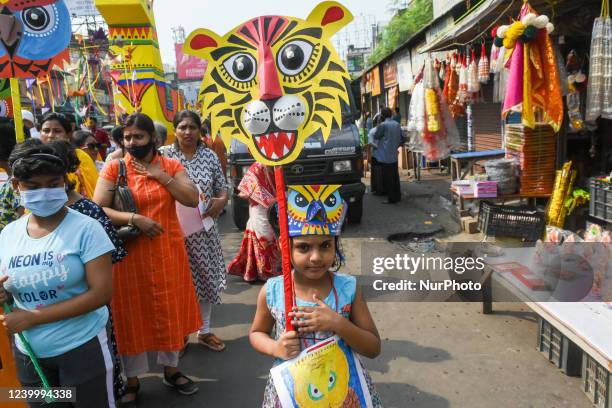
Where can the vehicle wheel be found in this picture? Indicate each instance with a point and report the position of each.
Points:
(240, 213)
(355, 211)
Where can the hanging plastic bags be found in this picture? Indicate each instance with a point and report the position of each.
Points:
(462, 94)
(473, 84)
(599, 93)
(451, 88)
(483, 66)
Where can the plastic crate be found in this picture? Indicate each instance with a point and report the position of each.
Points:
(558, 349)
(510, 221)
(596, 382)
(600, 205)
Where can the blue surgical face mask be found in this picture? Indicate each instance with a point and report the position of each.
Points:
(44, 202)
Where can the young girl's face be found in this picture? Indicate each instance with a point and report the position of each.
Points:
(313, 255)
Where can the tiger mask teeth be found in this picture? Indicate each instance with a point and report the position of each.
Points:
(275, 145)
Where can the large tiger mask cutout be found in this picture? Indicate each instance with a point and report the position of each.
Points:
(274, 81)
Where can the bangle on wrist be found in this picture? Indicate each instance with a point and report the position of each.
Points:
(167, 183)
(131, 220)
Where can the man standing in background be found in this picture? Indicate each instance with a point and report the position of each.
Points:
(398, 116)
(29, 123)
(389, 137)
(100, 134)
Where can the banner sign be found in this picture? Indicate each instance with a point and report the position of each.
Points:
(189, 66)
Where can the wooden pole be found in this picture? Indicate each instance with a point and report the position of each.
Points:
(281, 198)
(16, 96)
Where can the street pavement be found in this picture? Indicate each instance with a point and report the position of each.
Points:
(434, 355)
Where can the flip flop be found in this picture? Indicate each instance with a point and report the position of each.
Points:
(216, 344)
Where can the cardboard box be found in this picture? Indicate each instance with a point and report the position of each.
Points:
(469, 225)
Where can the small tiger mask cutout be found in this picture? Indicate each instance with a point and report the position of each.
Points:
(274, 81)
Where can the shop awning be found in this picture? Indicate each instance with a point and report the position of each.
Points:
(472, 25)
(488, 14)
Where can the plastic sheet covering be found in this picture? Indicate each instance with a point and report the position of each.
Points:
(561, 69)
(416, 117)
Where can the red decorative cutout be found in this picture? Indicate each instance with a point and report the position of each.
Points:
(201, 41)
(332, 15)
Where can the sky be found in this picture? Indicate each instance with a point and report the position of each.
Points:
(223, 15)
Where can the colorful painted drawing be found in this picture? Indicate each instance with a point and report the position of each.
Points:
(137, 69)
(327, 375)
(274, 81)
(34, 37)
(6, 101)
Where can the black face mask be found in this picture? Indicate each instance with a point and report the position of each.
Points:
(140, 152)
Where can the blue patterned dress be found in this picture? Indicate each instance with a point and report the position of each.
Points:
(346, 289)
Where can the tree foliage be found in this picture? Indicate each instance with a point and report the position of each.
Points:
(401, 27)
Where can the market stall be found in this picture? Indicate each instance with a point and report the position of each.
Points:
(575, 336)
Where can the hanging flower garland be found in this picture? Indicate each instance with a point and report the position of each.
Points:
(430, 123)
(525, 30)
(533, 88)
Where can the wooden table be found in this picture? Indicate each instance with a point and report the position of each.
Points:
(414, 164)
(586, 323)
(463, 163)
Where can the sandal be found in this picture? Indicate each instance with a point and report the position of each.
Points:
(211, 341)
(187, 388)
(130, 390)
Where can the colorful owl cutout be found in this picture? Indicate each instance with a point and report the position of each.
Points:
(274, 81)
(315, 210)
(34, 37)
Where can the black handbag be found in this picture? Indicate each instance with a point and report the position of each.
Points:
(123, 201)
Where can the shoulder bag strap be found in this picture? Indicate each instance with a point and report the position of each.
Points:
(122, 176)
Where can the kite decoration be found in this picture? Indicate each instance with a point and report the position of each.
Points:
(34, 38)
(136, 64)
(328, 374)
(271, 83)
